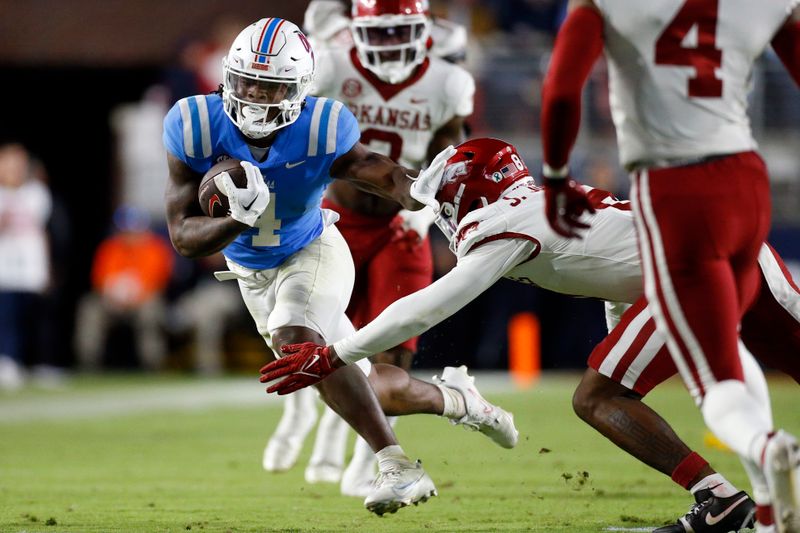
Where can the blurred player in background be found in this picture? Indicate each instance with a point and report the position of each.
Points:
(293, 267)
(410, 105)
(493, 214)
(679, 74)
(25, 207)
(130, 272)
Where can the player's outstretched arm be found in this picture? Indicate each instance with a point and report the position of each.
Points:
(379, 175)
(308, 363)
(577, 47)
(192, 233)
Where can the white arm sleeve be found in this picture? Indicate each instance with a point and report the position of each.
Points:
(420, 311)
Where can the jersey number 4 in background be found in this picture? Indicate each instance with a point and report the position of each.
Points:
(676, 46)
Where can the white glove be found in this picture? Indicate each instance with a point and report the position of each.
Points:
(426, 185)
(247, 204)
(417, 221)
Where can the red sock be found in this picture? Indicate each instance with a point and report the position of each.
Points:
(764, 515)
(688, 469)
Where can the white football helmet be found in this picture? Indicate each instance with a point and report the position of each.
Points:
(391, 36)
(267, 75)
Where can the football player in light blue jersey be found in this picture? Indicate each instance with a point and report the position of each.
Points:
(293, 267)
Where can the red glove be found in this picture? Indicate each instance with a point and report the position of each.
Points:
(305, 364)
(565, 202)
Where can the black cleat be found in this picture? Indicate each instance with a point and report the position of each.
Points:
(712, 514)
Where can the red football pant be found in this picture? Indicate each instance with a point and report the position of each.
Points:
(700, 228)
(635, 356)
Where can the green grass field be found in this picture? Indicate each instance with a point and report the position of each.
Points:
(138, 454)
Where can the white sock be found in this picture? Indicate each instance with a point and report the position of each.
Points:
(390, 456)
(718, 485)
(331, 440)
(734, 415)
(454, 406)
(755, 382)
(757, 481)
(363, 460)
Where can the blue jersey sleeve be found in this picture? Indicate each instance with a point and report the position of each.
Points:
(173, 133)
(347, 132)
(187, 132)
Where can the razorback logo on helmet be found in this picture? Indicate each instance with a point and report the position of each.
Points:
(476, 176)
(451, 172)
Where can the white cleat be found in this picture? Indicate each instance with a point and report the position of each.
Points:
(782, 470)
(323, 473)
(281, 452)
(405, 483)
(284, 446)
(491, 420)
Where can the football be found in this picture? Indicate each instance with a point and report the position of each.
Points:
(211, 193)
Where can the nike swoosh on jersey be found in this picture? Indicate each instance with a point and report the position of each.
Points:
(292, 165)
(418, 100)
(712, 520)
(248, 206)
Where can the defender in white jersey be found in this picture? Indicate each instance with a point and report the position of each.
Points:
(489, 207)
(410, 105)
(679, 71)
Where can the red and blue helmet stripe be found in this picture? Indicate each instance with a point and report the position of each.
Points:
(267, 38)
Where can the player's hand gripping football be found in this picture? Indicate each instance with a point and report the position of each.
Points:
(247, 204)
(565, 203)
(426, 185)
(304, 364)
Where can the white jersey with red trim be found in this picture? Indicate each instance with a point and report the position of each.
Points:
(511, 238)
(679, 73)
(397, 120)
(603, 264)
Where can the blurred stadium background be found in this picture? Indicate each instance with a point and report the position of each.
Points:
(86, 84)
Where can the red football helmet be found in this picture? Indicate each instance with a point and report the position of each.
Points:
(391, 36)
(475, 177)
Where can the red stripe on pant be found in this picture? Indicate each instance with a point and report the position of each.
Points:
(700, 229)
(654, 290)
